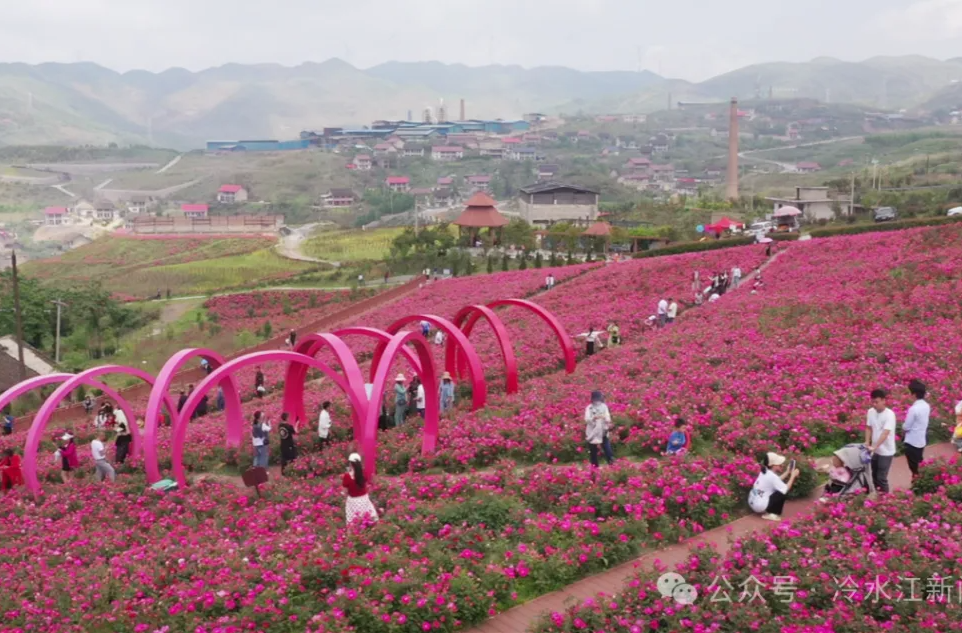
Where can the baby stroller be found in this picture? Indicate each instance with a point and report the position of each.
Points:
(858, 461)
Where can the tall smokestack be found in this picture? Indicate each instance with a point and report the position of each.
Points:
(462, 111)
(731, 191)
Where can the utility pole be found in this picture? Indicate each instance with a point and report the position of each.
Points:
(416, 203)
(19, 316)
(60, 304)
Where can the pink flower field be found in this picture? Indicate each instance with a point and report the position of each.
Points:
(506, 509)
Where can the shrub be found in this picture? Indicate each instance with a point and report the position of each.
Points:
(898, 225)
(696, 247)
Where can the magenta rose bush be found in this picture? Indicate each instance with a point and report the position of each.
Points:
(283, 309)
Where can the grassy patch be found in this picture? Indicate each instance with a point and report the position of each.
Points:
(351, 246)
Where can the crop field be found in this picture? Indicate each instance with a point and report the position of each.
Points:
(140, 267)
(351, 246)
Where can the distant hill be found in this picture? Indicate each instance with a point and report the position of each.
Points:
(73, 104)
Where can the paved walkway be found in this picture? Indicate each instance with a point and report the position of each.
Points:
(518, 619)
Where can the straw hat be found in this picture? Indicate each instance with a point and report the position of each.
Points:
(446, 376)
(774, 459)
(400, 378)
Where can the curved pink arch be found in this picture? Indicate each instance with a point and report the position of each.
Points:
(563, 339)
(479, 391)
(310, 345)
(428, 376)
(381, 337)
(159, 393)
(355, 394)
(465, 319)
(36, 382)
(50, 406)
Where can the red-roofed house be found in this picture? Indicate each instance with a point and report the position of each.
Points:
(511, 140)
(363, 162)
(447, 152)
(384, 149)
(663, 173)
(55, 216)
(399, 184)
(446, 181)
(229, 194)
(480, 182)
(638, 165)
(808, 168)
(194, 211)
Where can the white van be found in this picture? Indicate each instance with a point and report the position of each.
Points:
(761, 229)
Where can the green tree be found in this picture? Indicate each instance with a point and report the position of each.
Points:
(518, 233)
(490, 264)
(538, 260)
(504, 262)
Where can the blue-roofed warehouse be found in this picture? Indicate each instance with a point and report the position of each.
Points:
(257, 145)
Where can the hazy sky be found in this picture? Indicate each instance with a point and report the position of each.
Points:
(691, 39)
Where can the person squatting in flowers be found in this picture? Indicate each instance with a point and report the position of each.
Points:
(358, 505)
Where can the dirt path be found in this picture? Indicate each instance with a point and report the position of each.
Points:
(173, 311)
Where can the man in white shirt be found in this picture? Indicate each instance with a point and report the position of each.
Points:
(324, 424)
(672, 310)
(439, 337)
(915, 428)
(419, 400)
(99, 452)
(662, 313)
(736, 276)
(880, 439)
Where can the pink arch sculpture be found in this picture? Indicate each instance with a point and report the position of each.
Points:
(432, 405)
(455, 338)
(355, 394)
(36, 382)
(296, 375)
(50, 406)
(468, 316)
(471, 314)
(159, 394)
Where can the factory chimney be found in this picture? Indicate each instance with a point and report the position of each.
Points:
(731, 191)
(462, 111)
(410, 115)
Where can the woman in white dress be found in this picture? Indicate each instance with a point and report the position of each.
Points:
(358, 504)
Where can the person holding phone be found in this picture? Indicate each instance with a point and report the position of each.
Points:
(771, 487)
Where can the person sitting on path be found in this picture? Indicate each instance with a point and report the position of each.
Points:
(400, 400)
(597, 423)
(260, 440)
(767, 496)
(446, 392)
(678, 440)
(880, 439)
(915, 428)
(99, 453)
(358, 506)
(10, 473)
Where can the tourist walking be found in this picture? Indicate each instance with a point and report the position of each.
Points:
(413, 395)
(662, 312)
(358, 506)
(768, 494)
(220, 401)
(288, 447)
(68, 456)
(181, 400)
(7, 423)
(292, 338)
(439, 337)
(549, 282)
(446, 392)
(260, 440)
(400, 400)
(99, 452)
(597, 422)
(124, 438)
(10, 473)
(672, 311)
(736, 276)
(880, 438)
(591, 338)
(88, 404)
(614, 335)
(420, 399)
(915, 428)
(324, 425)
(425, 329)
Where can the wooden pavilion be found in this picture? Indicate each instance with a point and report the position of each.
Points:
(480, 213)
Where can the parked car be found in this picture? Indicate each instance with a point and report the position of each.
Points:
(759, 230)
(886, 214)
(955, 211)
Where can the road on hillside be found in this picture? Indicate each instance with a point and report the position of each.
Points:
(787, 168)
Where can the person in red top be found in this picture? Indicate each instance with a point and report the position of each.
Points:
(68, 456)
(358, 506)
(10, 469)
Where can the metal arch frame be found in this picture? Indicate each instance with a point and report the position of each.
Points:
(466, 318)
(233, 413)
(296, 375)
(355, 393)
(432, 404)
(48, 408)
(479, 391)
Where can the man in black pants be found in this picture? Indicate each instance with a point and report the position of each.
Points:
(880, 438)
(915, 427)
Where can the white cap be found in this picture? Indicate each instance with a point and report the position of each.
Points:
(66, 436)
(774, 459)
(354, 457)
(400, 378)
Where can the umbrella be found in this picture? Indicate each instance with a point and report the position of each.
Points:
(787, 212)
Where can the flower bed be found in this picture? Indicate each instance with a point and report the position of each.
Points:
(283, 309)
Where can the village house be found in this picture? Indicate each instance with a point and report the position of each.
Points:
(808, 168)
(194, 211)
(363, 162)
(635, 118)
(229, 194)
(106, 211)
(547, 172)
(445, 181)
(687, 186)
(546, 203)
(447, 152)
(384, 149)
(479, 182)
(56, 216)
(522, 153)
(531, 138)
(413, 151)
(638, 165)
(467, 141)
(493, 148)
(84, 209)
(421, 192)
(583, 135)
(659, 143)
(713, 171)
(815, 203)
(339, 198)
(663, 173)
(137, 205)
(635, 180)
(511, 141)
(445, 196)
(398, 184)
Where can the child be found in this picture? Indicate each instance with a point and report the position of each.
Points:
(678, 440)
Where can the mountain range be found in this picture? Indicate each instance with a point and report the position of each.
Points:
(84, 103)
